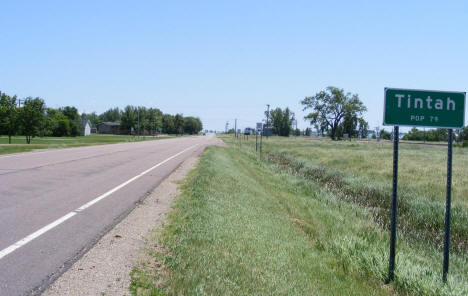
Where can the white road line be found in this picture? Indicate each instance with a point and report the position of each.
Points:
(59, 221)
(28, 153)
(34, 235)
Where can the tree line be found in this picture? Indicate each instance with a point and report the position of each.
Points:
(150, 120)
(436, 135)
(33, 118)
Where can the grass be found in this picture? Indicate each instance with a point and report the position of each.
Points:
(244, 226)
(362, 173)
(19, 143)
(422, 169)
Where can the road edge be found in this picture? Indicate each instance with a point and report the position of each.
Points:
(45, 288)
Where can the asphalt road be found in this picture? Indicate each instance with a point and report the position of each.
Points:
(56, 204)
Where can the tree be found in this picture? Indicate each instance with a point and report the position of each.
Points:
(331, 106)
(363, 129)
(31, 116)
(142, 113)
(434, 135)
(385, 135)
(275, 120)
(281, 121)
(111, 115)
(129, 118)
(63, 127)
(153, 120)
(192, 125)
(8, 116)
(179, 123)
(348, 126)
(56, 124)
(71, 113)
(168, 124)
(464, 134)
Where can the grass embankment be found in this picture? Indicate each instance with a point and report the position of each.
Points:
(18, 144)
(244, 226)
(362, 173)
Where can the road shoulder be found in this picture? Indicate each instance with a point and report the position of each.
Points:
(105, 269)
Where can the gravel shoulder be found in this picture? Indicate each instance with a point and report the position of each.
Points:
(105, 269)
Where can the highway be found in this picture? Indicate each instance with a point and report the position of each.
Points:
(56, 204)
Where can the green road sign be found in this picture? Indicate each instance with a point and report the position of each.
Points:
(424, 108)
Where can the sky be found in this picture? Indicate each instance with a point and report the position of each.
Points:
(221, 60)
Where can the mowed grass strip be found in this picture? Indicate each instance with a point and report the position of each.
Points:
(243, 228)
(19, 143)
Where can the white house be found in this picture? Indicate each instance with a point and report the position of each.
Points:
(85, 128)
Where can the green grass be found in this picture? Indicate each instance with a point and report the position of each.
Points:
(243, 226)
(362, 173)
(422, 169)
(19, 143)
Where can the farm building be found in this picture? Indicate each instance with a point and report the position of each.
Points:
(85, 128)
(108, 128)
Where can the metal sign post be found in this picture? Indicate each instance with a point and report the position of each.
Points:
(448, 202)
(256, 141)
(425, 108)
(391, 265)
(261, 140)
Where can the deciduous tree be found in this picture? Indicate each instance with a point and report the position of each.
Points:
(8, 116)
(192, 125)
(281, 121)
(329, 107)
(31, 116)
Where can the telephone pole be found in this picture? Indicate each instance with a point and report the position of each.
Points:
(235, 127)
(268, 116)
(138, 121)
(296, 129)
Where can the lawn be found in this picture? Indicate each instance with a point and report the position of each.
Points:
(250, 226)
(19, 143)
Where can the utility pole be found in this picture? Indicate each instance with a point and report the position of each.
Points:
(296, 128)
(138, 121)
(235, 128)
(268, 115)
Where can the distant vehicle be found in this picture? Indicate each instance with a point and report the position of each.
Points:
(249, 131)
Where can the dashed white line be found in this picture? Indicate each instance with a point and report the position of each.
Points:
(59, 221)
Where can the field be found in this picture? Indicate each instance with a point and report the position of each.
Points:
(308, 218)
(18, 143)
(362, 172)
